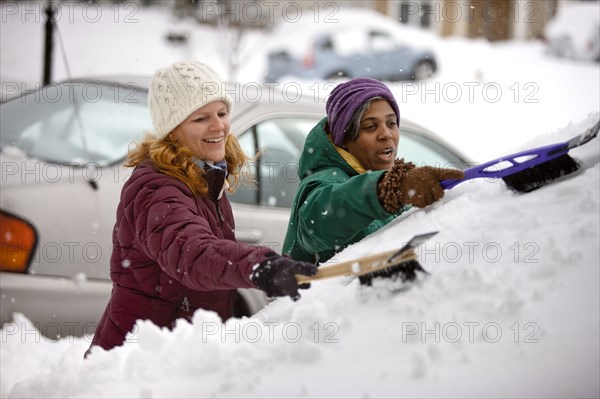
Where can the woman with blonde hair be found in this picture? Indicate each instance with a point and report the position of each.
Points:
(174, 247)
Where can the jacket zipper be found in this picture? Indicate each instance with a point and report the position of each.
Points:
(185, 304)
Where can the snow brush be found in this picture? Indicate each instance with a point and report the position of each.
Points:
(393, 264)
(531, 169)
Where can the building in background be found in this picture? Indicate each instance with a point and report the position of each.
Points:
(490, 19)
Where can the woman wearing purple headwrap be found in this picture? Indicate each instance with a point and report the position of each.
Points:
(351, 183)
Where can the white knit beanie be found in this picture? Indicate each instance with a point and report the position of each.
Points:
(177, 91)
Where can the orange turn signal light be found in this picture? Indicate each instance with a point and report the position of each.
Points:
(18, 239)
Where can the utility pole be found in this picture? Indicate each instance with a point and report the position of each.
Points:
(48, 43)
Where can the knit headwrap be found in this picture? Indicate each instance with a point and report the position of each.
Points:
(347, 98)
(179, 90)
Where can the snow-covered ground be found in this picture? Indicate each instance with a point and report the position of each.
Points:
(512, 305)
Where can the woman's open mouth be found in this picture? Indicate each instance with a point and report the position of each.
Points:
(387, 154)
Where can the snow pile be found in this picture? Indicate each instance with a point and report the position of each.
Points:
(511, 307)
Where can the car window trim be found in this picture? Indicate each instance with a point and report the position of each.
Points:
(258, 165)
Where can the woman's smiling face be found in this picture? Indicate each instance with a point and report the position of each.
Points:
(378, 134)
(205, 131)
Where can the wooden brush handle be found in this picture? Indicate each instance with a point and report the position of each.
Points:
(360, 266)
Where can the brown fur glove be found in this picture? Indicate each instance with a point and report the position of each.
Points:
(406, 184)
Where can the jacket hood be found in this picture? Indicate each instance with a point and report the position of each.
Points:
(319, 153)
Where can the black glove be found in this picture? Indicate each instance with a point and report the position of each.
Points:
(276, 276)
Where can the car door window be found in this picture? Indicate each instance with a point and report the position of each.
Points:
(349, 43)
(247, 190)
(272, 178)
(420, 150)
(380, 41)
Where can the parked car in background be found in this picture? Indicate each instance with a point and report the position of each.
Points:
(575, 31)
(369, 53)
(62, 155)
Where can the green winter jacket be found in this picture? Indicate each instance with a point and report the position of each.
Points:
(335, 205)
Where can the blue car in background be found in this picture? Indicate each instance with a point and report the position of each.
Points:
(349, 54)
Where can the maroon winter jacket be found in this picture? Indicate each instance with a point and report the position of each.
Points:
(173, 253)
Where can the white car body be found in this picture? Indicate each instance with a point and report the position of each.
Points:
(71, 206)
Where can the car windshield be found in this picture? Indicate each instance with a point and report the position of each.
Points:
(76, 122)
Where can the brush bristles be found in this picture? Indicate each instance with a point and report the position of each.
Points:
(542, 174)
(406, 271)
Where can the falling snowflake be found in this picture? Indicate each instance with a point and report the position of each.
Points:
(79, 278)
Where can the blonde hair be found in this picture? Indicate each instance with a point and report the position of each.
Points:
(173, 159)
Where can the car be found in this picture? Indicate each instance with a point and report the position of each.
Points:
(575, 32)
(371, 53)
(63, 148)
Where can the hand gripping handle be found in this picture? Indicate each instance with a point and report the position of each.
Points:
(510, 164)
(520, 161)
